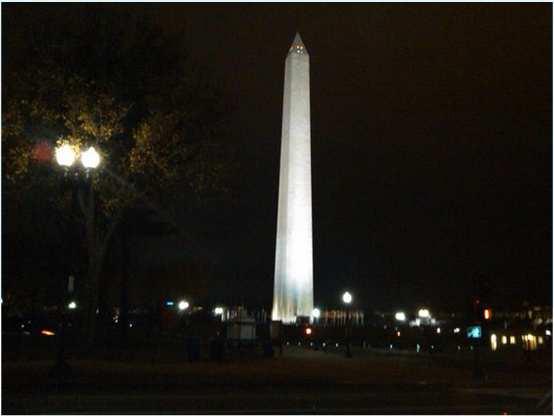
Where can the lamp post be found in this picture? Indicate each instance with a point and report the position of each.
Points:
(347, 300)
(316, 313)
(67, 155)
(61, 367)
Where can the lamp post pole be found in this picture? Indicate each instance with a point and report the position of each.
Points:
(347, 300)
(66, 156)
(61, 367)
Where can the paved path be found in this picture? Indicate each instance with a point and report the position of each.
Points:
(303, 381)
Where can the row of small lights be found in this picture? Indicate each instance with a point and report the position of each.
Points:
(183, 305)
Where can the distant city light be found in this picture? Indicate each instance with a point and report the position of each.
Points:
(494, 343)
(347, 298)
(424, 313)
(397, 333)
(47, 332)
(438, 330)
(548, 332)
(512, 339)
(316, 313)
(308, 331)
(456, 330)
(169, 303)
(72, 305)
(218, 310)
(487, 313)
(400, 316)
(183, 305)
(474, 331)
(66, 155)
(504, 339)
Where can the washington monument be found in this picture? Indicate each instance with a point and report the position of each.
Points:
(293, 293)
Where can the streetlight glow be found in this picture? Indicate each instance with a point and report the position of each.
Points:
(90, 158)
(65, 155)
(347, 298)
(218, 310)
(72, 305)
(316, 313)
(424, 313)
(183, 305)
(400, 316)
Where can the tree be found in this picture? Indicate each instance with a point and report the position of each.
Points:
(157, 126)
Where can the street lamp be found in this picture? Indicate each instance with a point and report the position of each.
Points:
(316, 313)
(400, 316)
(424, 313)
(66, 155)
(90, 158)
(347, 300)
(183, 305)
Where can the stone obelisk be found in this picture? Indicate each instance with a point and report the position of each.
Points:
(293, 293)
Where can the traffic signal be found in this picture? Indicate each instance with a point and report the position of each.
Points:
(487, 314)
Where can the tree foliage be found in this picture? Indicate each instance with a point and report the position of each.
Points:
(156, 119)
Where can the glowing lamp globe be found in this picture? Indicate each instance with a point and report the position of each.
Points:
(72, 305)
(347, 298)
(183, 305)
(90, 158)
(400, 316)
(65, 155)
(218, 310)
(316, 313)
(424, 313)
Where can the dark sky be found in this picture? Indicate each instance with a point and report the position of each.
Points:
(431, 145)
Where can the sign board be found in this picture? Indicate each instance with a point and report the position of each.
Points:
(474, 331)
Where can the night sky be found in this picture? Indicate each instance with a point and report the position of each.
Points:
(431, 147)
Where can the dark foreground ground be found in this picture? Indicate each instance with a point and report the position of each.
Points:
(300, 381)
